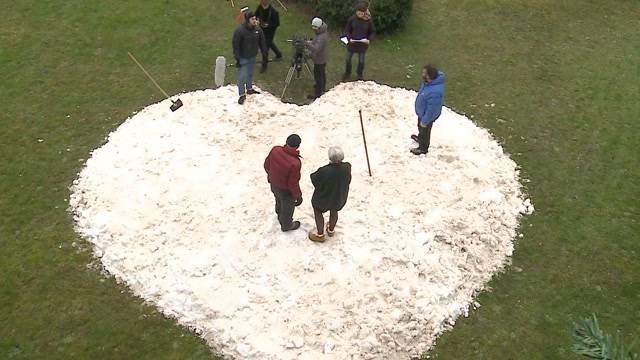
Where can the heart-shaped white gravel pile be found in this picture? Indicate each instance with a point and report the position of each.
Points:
(178, 207)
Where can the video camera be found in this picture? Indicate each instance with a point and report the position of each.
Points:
(300, 52)
(300, 59)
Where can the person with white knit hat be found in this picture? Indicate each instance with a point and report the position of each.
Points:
(319, 53)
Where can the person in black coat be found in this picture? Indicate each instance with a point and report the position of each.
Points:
(331, 184)
(247, 40)
(269, 20)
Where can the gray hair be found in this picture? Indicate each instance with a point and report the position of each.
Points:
(336, 154)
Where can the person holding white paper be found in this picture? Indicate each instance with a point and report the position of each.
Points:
(359, 31)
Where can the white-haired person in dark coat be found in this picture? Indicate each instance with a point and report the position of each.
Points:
(331, 184)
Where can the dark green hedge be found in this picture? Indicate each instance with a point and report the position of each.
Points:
(388, 15)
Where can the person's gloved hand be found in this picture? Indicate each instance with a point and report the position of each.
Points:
(298, 201)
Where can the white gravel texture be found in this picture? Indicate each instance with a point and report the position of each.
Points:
(178, 207)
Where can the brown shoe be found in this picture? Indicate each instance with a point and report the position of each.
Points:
(330, 232)
(316, 237)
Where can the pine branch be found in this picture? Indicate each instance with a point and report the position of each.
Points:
(592, 342)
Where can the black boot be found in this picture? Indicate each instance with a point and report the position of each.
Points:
(294, 225)
(418, 151)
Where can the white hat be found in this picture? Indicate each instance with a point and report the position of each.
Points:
(316, 22)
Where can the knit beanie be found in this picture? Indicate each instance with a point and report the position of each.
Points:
(316, 23)
(293, 141)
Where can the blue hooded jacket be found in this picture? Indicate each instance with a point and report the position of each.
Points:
(430, 99)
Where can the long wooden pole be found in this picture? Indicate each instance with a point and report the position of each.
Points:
(281, 4)
(149, 76)
(364, 138)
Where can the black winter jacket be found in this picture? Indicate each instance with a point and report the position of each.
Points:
(247, 41)
(269, 18)
(358, 29)
(332, 186)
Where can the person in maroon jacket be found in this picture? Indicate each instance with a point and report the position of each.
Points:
(283, 172)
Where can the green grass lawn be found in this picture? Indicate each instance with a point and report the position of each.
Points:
(563, 75)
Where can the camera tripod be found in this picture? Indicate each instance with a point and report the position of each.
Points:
(298, 61)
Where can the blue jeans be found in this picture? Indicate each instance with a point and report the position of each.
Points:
(245, 74)
(360, 68)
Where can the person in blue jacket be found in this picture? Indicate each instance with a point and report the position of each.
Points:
(428, 106)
